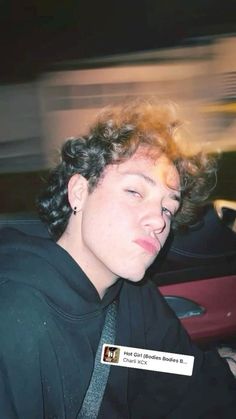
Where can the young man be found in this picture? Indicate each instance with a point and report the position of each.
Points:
(109, 206)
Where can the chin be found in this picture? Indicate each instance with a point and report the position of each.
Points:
(134, 276)
(135, 280)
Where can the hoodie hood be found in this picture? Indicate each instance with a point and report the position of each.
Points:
(44, 265)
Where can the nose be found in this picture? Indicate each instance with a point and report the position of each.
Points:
(155, 222)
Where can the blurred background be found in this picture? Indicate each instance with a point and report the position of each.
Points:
(61, 61)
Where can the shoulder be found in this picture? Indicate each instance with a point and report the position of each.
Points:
(18, 298)
(22, 315)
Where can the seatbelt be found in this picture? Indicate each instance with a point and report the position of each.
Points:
(96, 389)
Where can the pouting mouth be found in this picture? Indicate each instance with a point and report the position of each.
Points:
(150, 245)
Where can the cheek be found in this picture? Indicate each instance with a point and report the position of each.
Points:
(108, 240)
(105, 221)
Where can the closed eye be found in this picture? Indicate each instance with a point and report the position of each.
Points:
(166, 211)
(134, 193)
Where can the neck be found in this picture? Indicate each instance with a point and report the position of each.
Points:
(101, 278)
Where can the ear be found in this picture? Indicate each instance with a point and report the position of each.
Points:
(77, 191)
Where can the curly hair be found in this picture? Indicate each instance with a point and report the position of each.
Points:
(114, 137)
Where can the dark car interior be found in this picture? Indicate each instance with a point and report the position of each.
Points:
(206, 249)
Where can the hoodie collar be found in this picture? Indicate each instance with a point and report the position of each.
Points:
(49, 269)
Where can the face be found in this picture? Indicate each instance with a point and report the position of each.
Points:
(125, 221)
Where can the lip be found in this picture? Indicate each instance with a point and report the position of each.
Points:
(150, 245)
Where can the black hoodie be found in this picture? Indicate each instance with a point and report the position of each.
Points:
(51, 318)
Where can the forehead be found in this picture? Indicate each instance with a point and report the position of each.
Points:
(154, 170)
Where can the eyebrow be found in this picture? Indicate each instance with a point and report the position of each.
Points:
(148, 179)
